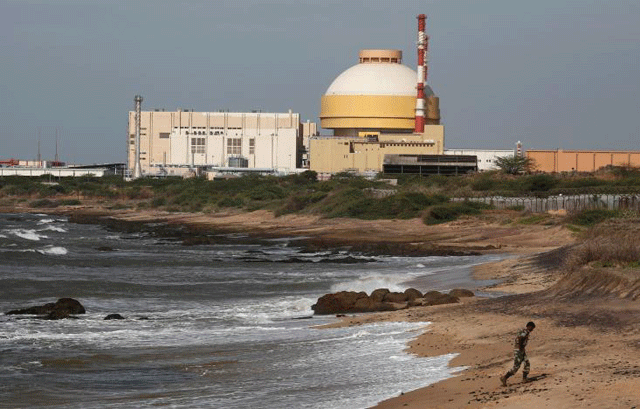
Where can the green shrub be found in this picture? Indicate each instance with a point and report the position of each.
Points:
(483, 184)
(230, 202)
(578, 183)
(540, 183)
(451, 211)
(159, 201)
(120, 206)
(43, 203)
(298, 203)
(593, 216)
(268, 192)
(517, 208)
(70, 202)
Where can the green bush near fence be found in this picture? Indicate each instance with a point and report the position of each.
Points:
(593, 216)
(451, 211)
(345, 195)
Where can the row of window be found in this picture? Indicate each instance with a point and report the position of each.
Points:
(234, 146)
(197, 145)
(175, 128)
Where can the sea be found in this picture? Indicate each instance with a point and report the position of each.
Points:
(224, 325)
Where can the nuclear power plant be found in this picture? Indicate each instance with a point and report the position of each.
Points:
(383, 117)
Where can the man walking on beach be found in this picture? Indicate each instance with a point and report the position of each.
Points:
(520, 355)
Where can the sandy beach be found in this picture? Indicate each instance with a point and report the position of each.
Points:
(587, 334)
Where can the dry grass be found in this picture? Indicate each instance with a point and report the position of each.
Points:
(609, 245)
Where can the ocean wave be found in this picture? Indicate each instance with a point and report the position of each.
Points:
(46, 221)
(393, 282)
(314, 260)
(53, 251)
(28, 234)
(54, 228)
(268, 311)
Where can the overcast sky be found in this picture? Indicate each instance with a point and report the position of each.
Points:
(551, 73)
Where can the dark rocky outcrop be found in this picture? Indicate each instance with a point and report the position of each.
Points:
(343, 301)
(378, 295)
(381, 300)
(444, 299)
(412, 294)
(461, 292)
(105, 248)
(114, 317)
(63, 308)
(431, 296)
(395, 297)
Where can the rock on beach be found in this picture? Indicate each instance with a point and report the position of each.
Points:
(383, 300)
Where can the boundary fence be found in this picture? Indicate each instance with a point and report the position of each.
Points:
(560, 201)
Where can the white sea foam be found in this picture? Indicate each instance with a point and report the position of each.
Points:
(54, 228)
(265, 312)
(53, 251)
(45, 221)
(28, 234)
(370, 283)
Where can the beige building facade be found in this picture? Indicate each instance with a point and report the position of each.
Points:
(173, 143)
(553, 161)
(333, 154)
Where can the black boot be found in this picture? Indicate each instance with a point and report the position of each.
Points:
(525, 377)
(504, 378)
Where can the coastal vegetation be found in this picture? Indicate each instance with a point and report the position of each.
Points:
(435, 199)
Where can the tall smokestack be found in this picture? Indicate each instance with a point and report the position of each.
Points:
(136, 169)
(422, 73)
(56, 157)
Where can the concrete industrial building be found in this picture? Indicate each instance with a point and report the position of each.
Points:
(178, 142)
(486, 158)
(553, 161)
(379, 108)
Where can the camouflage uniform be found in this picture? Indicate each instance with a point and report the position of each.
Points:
(520, 355)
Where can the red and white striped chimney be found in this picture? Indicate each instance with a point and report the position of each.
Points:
(422, 73)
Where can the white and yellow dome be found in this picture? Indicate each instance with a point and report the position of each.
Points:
(378, 94)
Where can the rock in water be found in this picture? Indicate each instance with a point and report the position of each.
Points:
(63, 308)
(343, 301)
(69, 304)
(114, 317)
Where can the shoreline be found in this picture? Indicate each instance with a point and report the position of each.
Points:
(581, 334)
(581, 346)
(492, 234)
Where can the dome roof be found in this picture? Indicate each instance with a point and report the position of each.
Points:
(376, 79)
